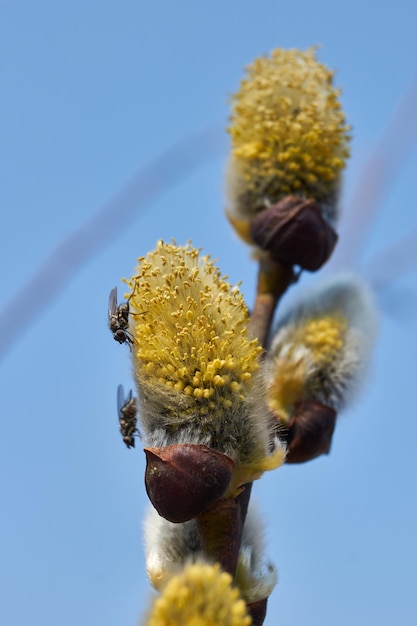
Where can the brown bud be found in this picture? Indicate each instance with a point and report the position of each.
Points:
(183, 480)
(310, 431)
(295, 232)
(257, 611)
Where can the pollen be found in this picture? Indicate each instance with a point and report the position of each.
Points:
(287, 387)
(201, 595)
(288, 130)
(190, 331)
(324, 337)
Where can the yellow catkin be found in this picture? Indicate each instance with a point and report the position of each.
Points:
(312, 344)
(201, 595)
(288, 131)
(190, 332)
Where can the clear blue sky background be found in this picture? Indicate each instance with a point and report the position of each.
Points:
(90, 91)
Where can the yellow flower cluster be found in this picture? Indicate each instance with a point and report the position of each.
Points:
(323, 337)
(202, 595)
(308, 353)
(190, 332)
(288, 132)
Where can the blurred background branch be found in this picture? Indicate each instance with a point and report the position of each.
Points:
(378, 175)
(78, 247)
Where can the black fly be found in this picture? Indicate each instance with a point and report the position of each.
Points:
(127, 410)
(119, 319)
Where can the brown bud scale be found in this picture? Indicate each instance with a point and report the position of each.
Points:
(295, 232)
(310, 431)
(257, 611)
(183, 480)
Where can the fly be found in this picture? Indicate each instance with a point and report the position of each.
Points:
(127, 412)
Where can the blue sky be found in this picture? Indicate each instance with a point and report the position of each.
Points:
(92, 91)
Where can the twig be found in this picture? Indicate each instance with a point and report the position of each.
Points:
(273, 280)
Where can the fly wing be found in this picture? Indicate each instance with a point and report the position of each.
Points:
(113, 302)
(120, 400)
